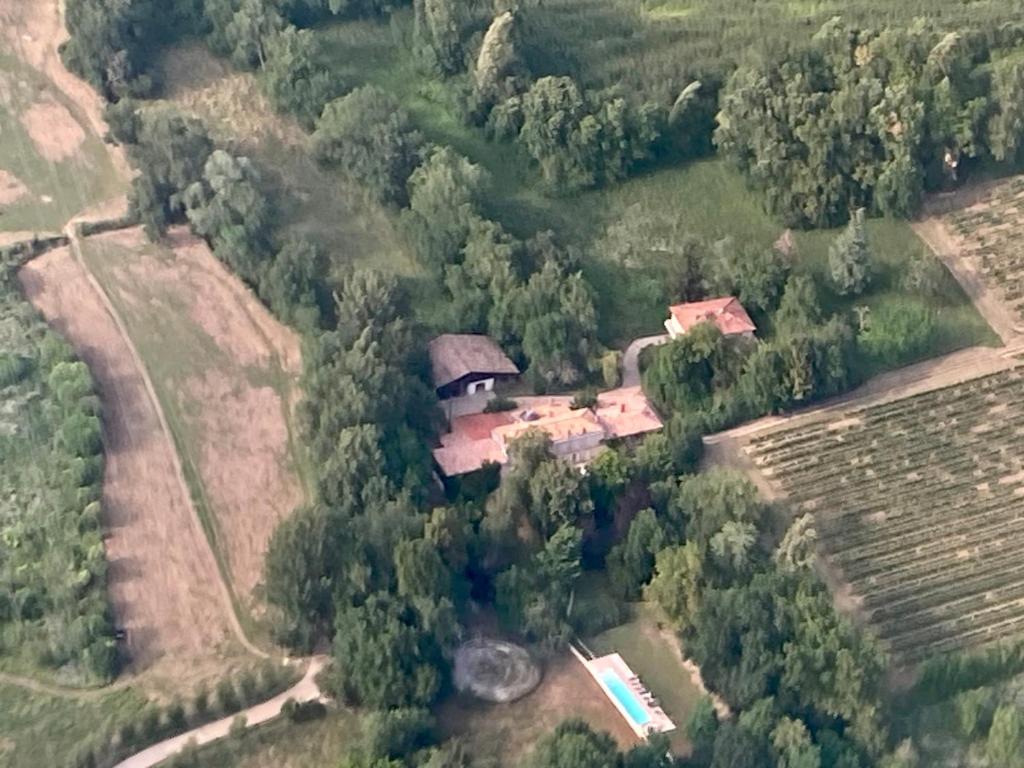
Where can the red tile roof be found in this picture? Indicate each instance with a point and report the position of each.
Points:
(727, 313)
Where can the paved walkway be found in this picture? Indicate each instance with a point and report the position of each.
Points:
(631, 358)
(304, 690)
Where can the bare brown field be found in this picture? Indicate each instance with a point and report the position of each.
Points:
(224, 370)
(506, 733)
(163, 579)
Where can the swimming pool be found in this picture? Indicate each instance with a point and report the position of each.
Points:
(637, 711)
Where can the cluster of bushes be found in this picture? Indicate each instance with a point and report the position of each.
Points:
(872, 119)
(53, 569)
(156, 723)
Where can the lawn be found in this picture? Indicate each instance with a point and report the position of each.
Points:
(59, 167)
(283, 744)
(225, 374)
(654, 655)
(37, 729)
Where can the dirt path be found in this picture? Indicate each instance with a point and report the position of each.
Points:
(163, 581)
(304, 690)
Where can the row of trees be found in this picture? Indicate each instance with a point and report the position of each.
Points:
(155, 723)
(865, 119)
(53, 570)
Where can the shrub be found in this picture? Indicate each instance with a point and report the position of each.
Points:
(227, 697)
(249, 687)
(499, 404)
(201, 703)
(175, 714)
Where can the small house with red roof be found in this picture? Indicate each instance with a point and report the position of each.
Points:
(726, 313)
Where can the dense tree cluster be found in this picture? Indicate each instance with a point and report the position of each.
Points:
(53, 568)
(761, 627)
(866, 119)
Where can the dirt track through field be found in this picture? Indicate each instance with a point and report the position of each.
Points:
(164, 583)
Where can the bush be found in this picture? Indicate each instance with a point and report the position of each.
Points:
(201, 703)
(499, 404)
(897, 333)
(149, 726)
(249, 687)
(175, 714)
(227, 697)
(303, 711)
(12, 368)
(398, 732)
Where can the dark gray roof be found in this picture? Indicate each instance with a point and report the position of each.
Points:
(454, 355)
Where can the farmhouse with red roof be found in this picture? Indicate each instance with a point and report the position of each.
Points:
(726, 313)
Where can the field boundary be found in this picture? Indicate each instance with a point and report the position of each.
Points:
(227, 595)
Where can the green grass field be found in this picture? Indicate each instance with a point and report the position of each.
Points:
(55, 190)
(282, 744)
(649, 652)
(37, 729)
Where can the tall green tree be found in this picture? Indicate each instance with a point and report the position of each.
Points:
(849, 258)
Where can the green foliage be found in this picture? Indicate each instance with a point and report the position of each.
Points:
(630, 563)
(574, 745)
(754, 275)
(228, 207)
(897, 332)
(371, 138)
(1005, 743)
(292, 79)
(437, 34)
(397, 733)
(583, 140)
(849, 258)
(390, 650)
(109, 44)
(867, 118)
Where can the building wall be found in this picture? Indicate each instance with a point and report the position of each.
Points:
(479, 381)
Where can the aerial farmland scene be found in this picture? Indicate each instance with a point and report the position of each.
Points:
(511, 384)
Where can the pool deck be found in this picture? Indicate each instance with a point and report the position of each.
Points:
(659, 722)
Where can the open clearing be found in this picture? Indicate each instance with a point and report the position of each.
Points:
(919, 504)
(50, 124)
(163, 579)
(505, 733)
(224, 371)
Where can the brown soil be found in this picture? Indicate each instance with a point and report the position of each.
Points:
(507, 732)
(243, 457)
(53, 130)
(11, 188)
(164, 584)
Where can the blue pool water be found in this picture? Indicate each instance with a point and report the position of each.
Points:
(625, 697)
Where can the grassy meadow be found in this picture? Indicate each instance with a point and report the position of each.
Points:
(38, 729)
(218, 379)
(54, 189)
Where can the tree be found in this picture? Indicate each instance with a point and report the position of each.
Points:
(1005, 743)
(534, 599)
(558, 496)
(735, 747)
(292, 79)
(849, 257)
(498, 59)
(444, 194)
(438, 34)
(293, 284)
(799, 309)
(755, 275)
(109, 43)
(1006, 125)
(630, 564)
(371, 138)
(228, 207)
(420, 570)
(796, 551)
(390, 653)
(246, 34)
(301, 557)
(677, 584)
(701, 729)
(793, 747)
(573, 744)
(733, 543)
